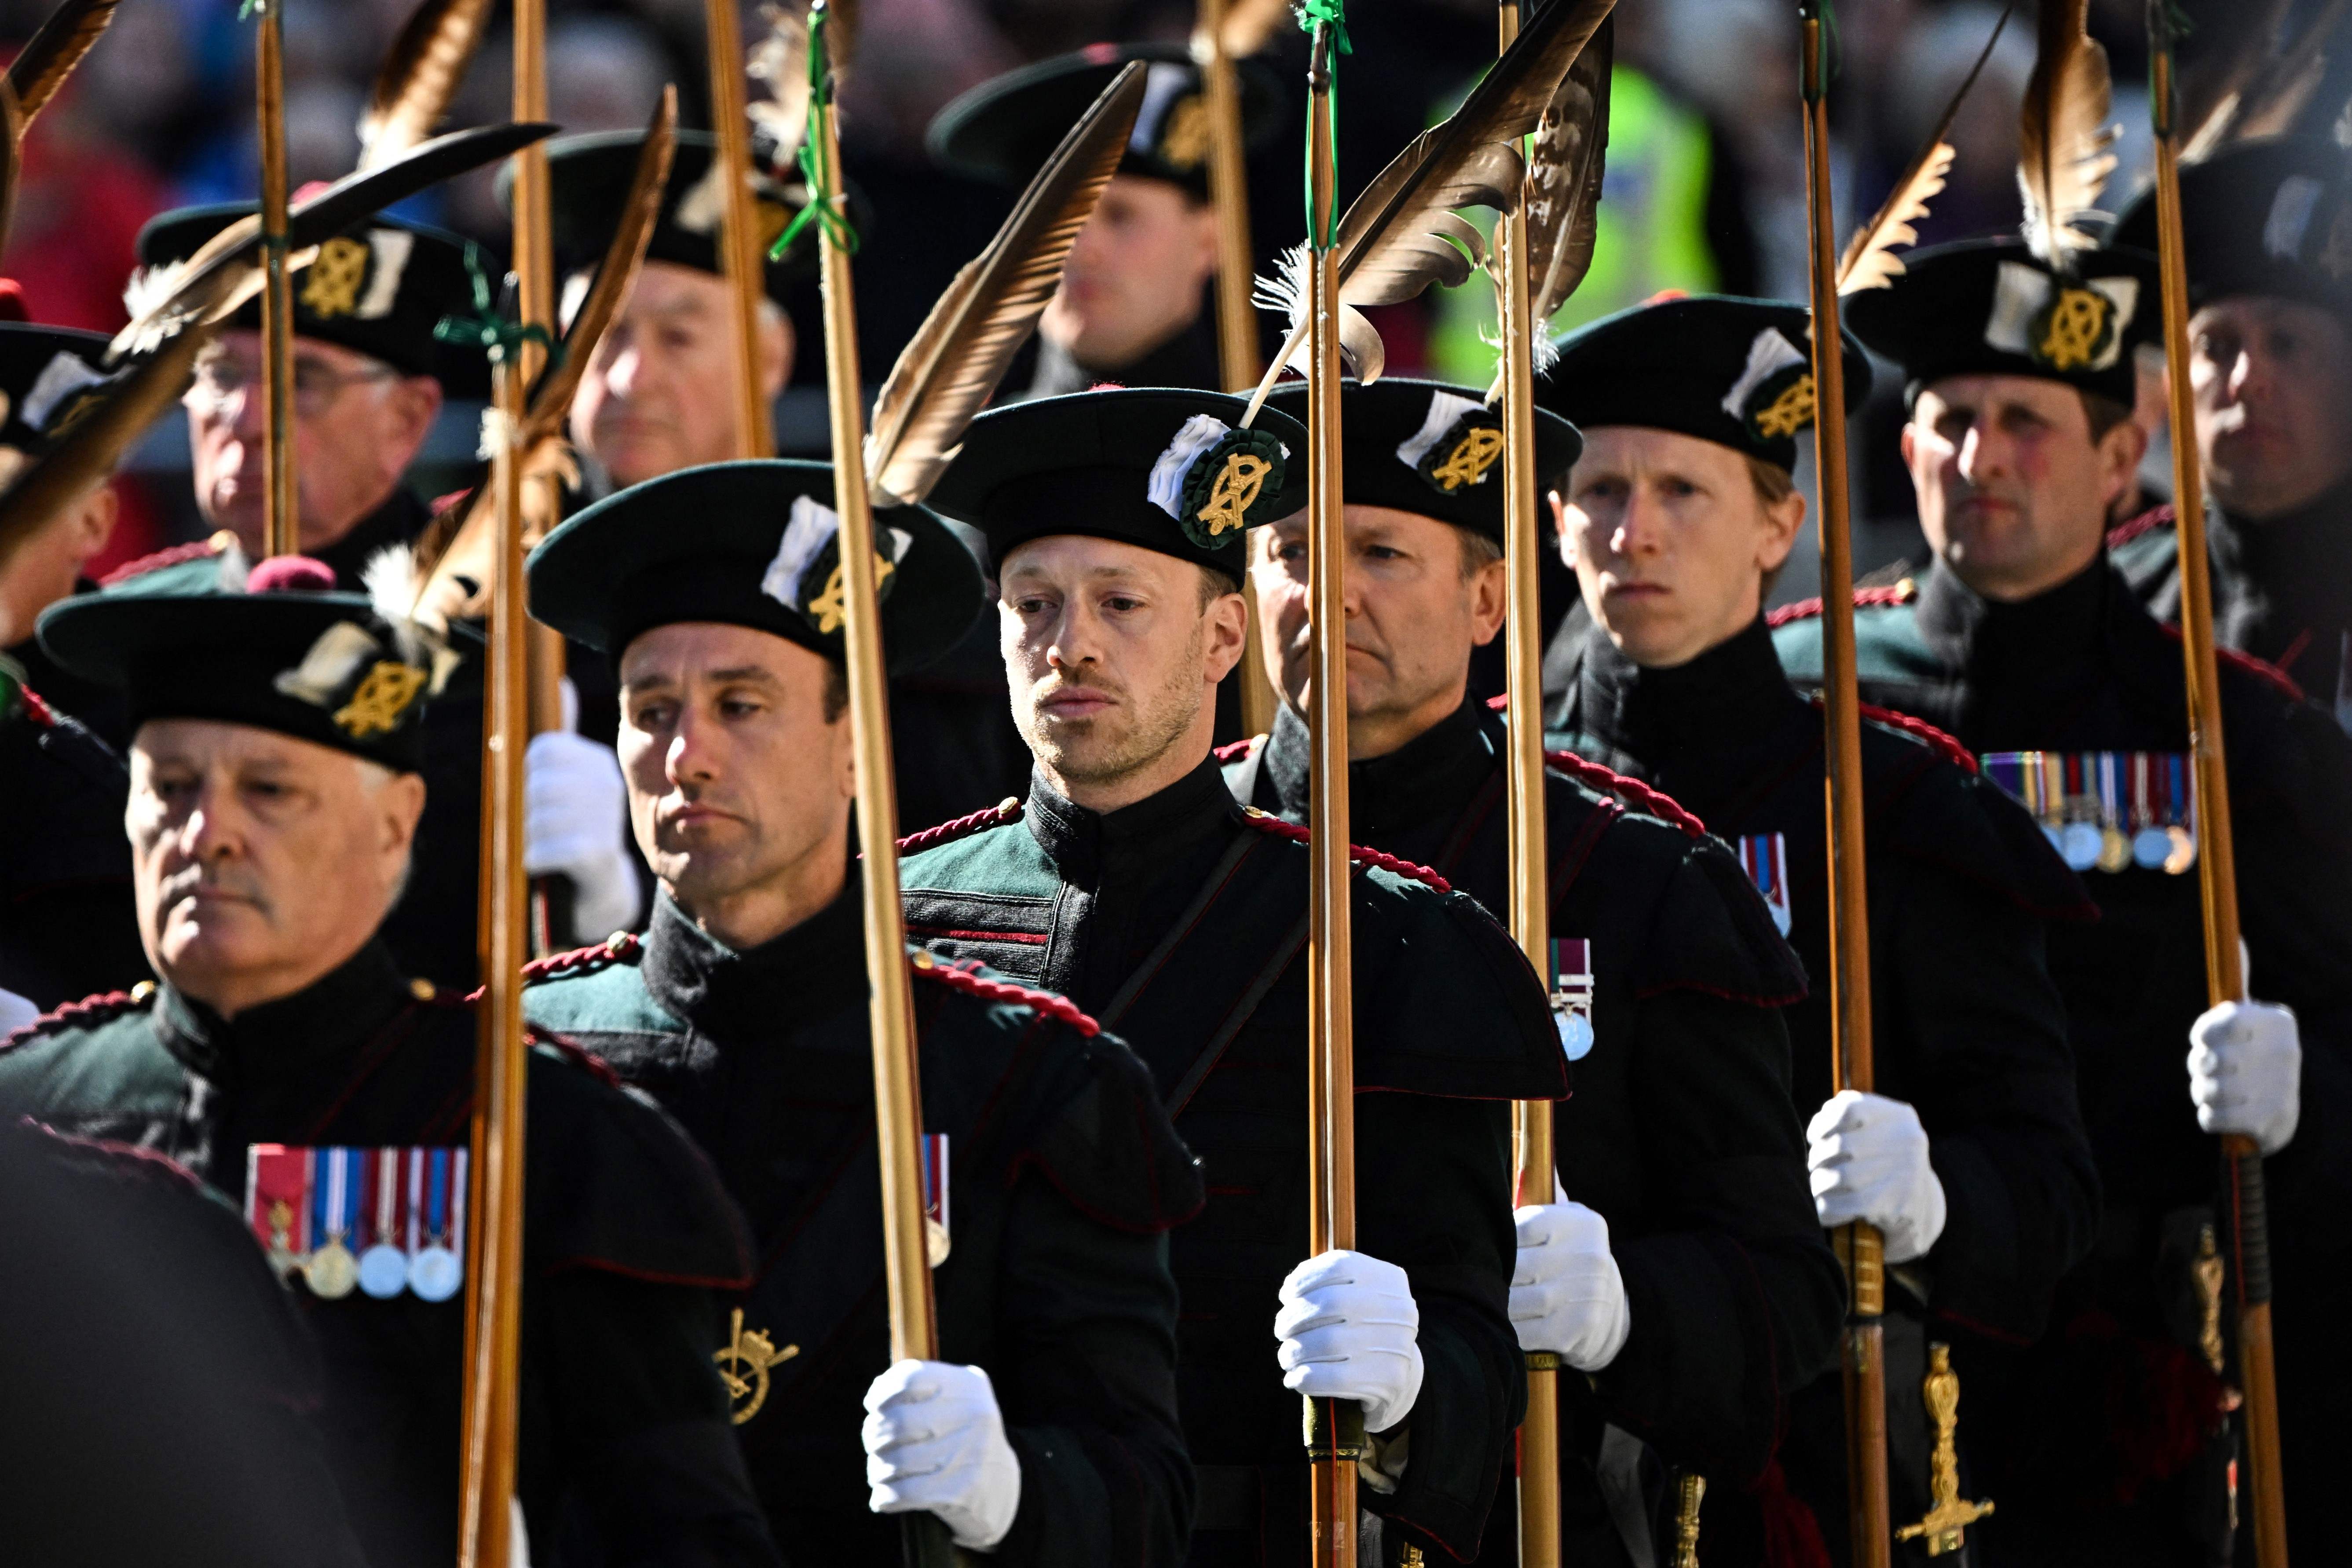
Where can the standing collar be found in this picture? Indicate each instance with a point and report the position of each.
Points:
(1092, 848)
(802, 973)
(2055, 631)
(281, 1039)
(1435, 773)
(1732, 695)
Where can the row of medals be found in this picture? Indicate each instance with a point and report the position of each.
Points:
(2084, 844)
(382, 1271)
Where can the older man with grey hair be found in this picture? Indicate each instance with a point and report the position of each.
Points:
(286, 1060)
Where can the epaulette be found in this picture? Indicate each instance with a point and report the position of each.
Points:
(1234, 751)
(218, 544)
(1359, 854)
(35, 708)
(2261, 669)
(1636, 793)
(615, 949)
(1943, 745)
(1901, 592)
(967, 980)
(101, 1007)
(1002, 813)
(2148, 521)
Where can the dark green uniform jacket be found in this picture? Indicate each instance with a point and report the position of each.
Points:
(431, 931)
(67, 927)
(2113, 1407)
(1182, 923)
(142, 1423)
(1968, 1027)
(2281, 587)
(1680, 1130)
(625, 1452)
(1063, 1175)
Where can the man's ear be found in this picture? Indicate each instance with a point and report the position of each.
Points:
(415, 404)
(1560, 527)
(2120, 450)
(1490, 599)
(94, 522)
(403, 804)
(1783, 521)
(778, 345)
(1228, 624)
(1904, 443)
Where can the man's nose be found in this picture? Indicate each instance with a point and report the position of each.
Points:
(621, 376)
(1980, 454)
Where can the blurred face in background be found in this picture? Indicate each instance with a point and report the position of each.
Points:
(45, 567)
(1135, 275)
(659, 395)
(2013, 488)
(2274, 384)
(358, 423)
(1671, 538)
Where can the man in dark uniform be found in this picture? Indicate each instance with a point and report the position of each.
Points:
(1969, 1156)
(286, 1061)
(369, 378)
(2268, 226)
(1047, 1434)
(1682, 1271)
(66, 923)
(659, 396)
(1133, 304)
(2110, 1443)
(1134, 884)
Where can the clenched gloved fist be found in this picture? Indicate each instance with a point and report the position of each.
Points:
(1349, 1329)
(1566, 1295)
(935, 1443)
(1869, 1160)
(2245, 1072)
(576, 824)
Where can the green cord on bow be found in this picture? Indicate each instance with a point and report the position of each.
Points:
(820, 210)
(2167, 25)
(245, 13)
(1333, 14)
(488, 329)
(1809, 10)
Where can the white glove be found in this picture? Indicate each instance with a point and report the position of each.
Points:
(1347, 1327)
(935, 1443)
(2245, 1072)
(1869, 1160)
(15, 1011)
(576, 824)
(1566, 1295)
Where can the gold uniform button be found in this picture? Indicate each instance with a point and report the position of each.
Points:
(422, 989)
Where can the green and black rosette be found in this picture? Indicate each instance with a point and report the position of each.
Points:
(1231, 487)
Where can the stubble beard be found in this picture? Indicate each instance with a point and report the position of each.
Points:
(1091, 752)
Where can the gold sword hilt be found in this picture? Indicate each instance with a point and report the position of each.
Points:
(1945, 1526)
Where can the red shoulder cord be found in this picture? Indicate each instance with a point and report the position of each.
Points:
(1045, 1004)
(1004, 813)
(1359, 854)
(1636, 793)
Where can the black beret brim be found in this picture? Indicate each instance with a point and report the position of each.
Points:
(697, 544)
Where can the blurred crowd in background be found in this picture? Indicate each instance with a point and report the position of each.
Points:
(1705, 187)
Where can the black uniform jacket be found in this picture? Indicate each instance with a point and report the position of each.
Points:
(624, 1450)
(1968, 1027)
(1181, 922)
(2281, 587)
(67, 927)
(1680, 1130)
(1063, 1175)
(147, 1425)
(431, 933)
(2084, 667)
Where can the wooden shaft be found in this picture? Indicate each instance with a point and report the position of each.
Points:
(739, 229)
(281, 522)
(1237, 360)
(2217, 872)
(1871, 1522)
(534, 266)
(1335, 1426)
(494, 1274)
(898, 1100)
(1530, 897)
